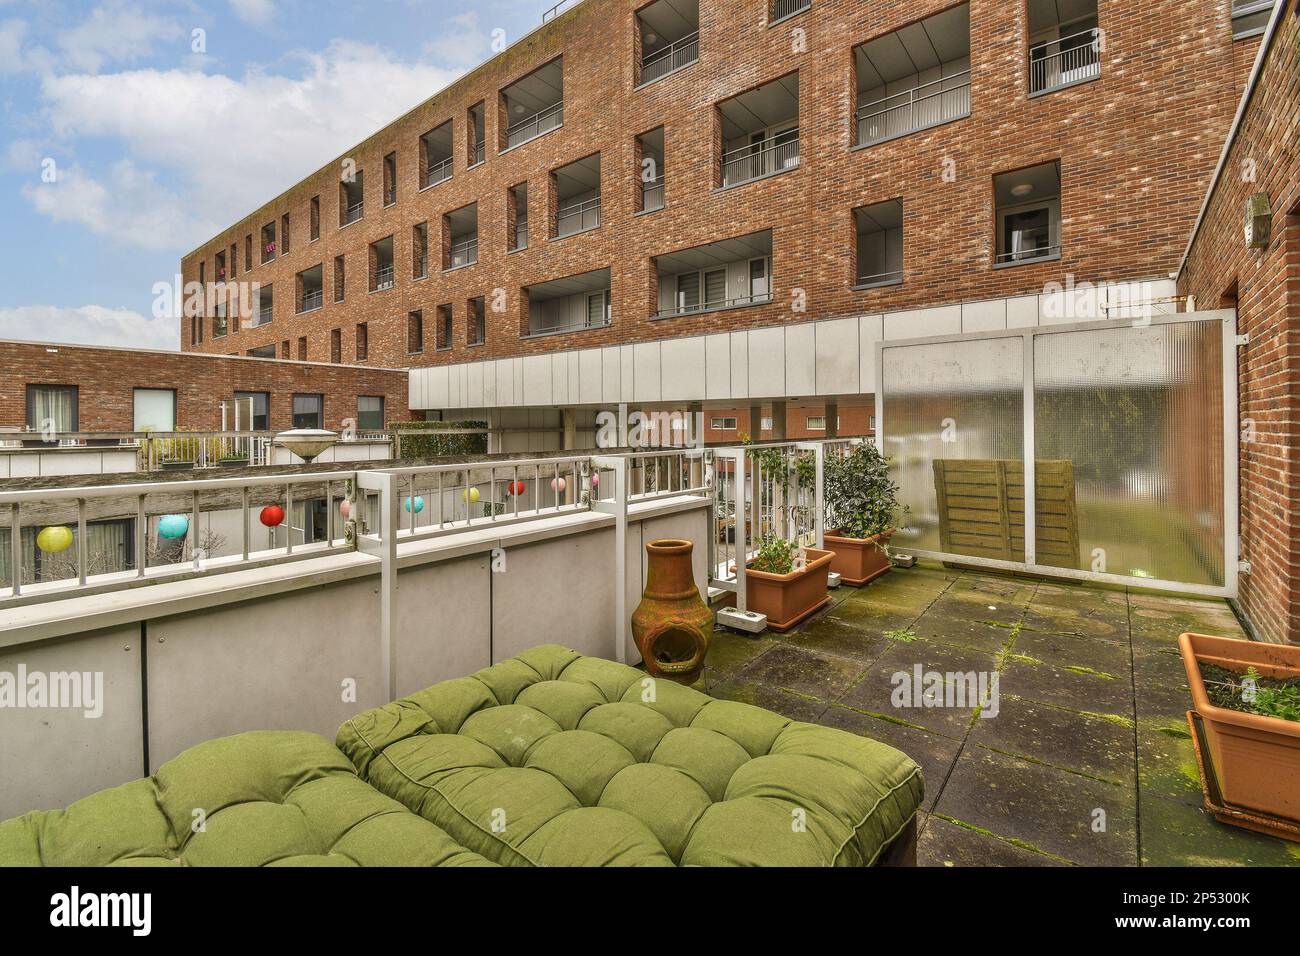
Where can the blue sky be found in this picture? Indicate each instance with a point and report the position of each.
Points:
(123, 147)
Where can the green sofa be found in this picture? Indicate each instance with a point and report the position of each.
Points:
(548, 759)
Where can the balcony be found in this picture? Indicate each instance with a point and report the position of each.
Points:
(464, 253)
(311, 289)
(351, 199)
(1056, 64)
(670, 59)
(264, 299)
(651, 149)
(1028, 215)
(435, 155)
(313, 300)
(760, 132)
(353, 213)
(384, 278)
(381, 265)
(577, 197)
(670, 37)
(461, 228)
(534, 105)
(268, 243)
(439, 172)
(576, 217)
(573, 304)
(914, 78)
(879, 231)
(728, 274)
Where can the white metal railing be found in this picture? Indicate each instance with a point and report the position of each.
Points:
(926, 105)
(384, 277)
(437, 173)
(755, 161)
(478, 152)
(1053, 64)
(578, 325)
(577, 217)
(312, 300)
(881, 278)
(676, 55)
(533, 126)
(463, 253)
(353, 212)
(1028, 255)
(265, 314)
(652, 194)
(713, 304)
(788, 8)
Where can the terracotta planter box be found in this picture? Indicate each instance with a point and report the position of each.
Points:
(1255, 759)
(788, 599)
(858, 561)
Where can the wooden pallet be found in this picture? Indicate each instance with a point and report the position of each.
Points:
(1246, 819)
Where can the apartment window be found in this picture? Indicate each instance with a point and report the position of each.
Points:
(265, 304)
(308, 411)
(262, 351)
(760, 132)
(284, 234)
(722, 424)
(534, 105)
(1250, 17)
(390, 179)
(248, 252)
(879, 232)
(420, 250)
(598, 309)
(352, 198)
(415, 332)
(461, 228)
(302, 348)
(363, 341)
(517, 211)
(815, 423)
(650, 153)
(220, 270)
(1064, 45)
(336, 346)
(765, 424)
(268, 242)
(443, 331)
(781, 9)
(338, 279)
(669, 37)
(477, 321)
(381, 265)
(311, 289)
(219, 322)
(1028, 216)
(914, 78)
(370, 412)
(435, 156)
(315, 218)
(726, 274)
(52, 408)
(474, 138)
(570, 304)
(577, 197)
(259, 404)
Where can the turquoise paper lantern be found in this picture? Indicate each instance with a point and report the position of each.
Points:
(173, 526)
(419, 504)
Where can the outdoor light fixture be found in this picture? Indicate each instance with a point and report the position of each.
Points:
(307, 443)
(1022, 189)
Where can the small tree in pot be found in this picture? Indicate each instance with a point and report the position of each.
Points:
(861, 512)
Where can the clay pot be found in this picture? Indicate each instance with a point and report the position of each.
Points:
(1255, 759)
(672, 623)
(789, 599)
(858, 561)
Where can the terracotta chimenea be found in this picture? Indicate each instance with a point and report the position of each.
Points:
(672, 623)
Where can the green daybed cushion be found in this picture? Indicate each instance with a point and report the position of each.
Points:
(555, 759)
(270, 798)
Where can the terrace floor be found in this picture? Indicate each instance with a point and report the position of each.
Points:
(1090, 716)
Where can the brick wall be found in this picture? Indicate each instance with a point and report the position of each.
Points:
(1266, 287)
(106, 380)
(1136, 149)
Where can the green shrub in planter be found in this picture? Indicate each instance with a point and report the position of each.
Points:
(860, 497)
(775, 556)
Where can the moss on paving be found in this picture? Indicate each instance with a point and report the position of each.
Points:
(1012, 841)
(1088, 671)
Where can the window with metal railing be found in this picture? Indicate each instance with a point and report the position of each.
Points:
(669, 59)
(772, 155)
(1056, 64)
(384, 277)
(788, 8)
(437, 173)
(534, 126)
(577, 217)
(463, 253)
(312, 300)
(652, 194)
(353, 212)
(521, 234)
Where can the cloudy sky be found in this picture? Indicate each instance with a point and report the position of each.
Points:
(127, 138)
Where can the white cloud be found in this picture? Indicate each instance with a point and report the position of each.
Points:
(89, 325)
(460, 40)
(253, 11)
(229, 144)
(114, 33)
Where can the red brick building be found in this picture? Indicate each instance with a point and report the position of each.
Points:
(1262, 281)
(79, 388)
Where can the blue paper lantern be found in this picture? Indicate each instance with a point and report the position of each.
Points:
(419, 504)
(173, 526)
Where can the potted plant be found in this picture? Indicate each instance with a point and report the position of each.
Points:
(861, 512)
(786, 583)
(1247, 695)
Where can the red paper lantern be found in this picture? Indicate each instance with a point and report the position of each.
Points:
(271, 516)
(515, 488)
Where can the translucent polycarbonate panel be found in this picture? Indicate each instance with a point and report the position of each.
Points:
(1131, 419)
(960, 404)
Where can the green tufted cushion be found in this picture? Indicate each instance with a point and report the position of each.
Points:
(270, 798)
(554, 759)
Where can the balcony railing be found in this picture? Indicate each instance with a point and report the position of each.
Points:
(548, 119)
(463, 253)
(652, 195)
(1054, 64)
(788, 8)
(312, 300)
(676, 55)
(911, 110)
(353, 212)
(478, 153)
(710, 305)
(751, 162)
(579, 325)
(437, 173)
(880, 278)
(264, 315)
(577, 217)
(521, 234)
(1028, 255)
(384, 277)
